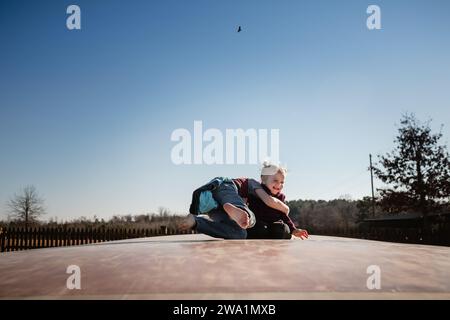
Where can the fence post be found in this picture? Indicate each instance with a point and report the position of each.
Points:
(32, 244)
(57, 236)
(48, 232)
(68, 236)
(38, 238)
(76, 235)
(87, 235)
(71, 236)
(6, 236)
(20, 234)
(2, 239)
(81, 235)
(8, 239)
(42, 237)
(30, 238)
(62, 236)
(16, 239)
(91, 235)
(65, 236)
(39, 241)
(52, 237)
(26, 238)
(48, 236)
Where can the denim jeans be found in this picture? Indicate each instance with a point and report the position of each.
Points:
(227, 192)
(218, 224)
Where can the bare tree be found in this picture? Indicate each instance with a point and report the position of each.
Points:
(26, 206)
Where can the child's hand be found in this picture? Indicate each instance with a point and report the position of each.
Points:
(302, 234)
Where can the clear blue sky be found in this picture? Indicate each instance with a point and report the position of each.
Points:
(86, 115)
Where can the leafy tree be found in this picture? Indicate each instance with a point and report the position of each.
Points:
(417, 171)
(365, 209)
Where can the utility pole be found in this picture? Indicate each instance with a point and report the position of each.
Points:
(371, 181)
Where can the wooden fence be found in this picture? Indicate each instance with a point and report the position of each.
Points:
(15, 239)
(439, 236)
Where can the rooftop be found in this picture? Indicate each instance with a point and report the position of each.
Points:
(201, 267)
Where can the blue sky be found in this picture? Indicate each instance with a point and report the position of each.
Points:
(86, 115)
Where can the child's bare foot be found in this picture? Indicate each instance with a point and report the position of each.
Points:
(188, 223)
(238, 215)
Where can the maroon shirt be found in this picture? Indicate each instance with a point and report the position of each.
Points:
(259, 208)
(242, 185)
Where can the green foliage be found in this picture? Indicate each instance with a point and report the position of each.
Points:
(365, 208)
(321, 214)
(417, 171)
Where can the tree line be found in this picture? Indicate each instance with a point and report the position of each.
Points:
(416, 177)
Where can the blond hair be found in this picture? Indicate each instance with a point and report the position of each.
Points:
(269, 169)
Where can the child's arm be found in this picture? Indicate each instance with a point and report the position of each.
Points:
(301, 233)
(271, 201)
